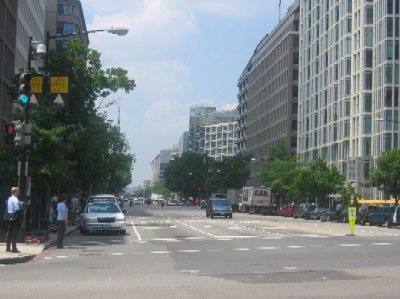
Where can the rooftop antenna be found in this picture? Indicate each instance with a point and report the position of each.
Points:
(280, 2)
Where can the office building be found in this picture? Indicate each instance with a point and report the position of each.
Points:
(349, 85)
(8, 34)
(65, 17)
(220, 140)
(270, 86)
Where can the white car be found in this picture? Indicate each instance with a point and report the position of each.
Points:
(103, 216)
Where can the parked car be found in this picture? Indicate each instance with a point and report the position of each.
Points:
(304, 210)
(316, 214)
(382, 216)
(396, 216)
(289, 211)
(271, 210)
(364, 212)
(218, 207)
(102, 198)
(103, 216)
(329, 215)
(279, 211)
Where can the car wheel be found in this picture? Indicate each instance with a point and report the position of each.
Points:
(230, 216)
(387, 223)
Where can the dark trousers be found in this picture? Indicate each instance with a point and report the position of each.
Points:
(12, 232)
(60, 232)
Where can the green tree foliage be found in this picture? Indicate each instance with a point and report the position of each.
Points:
(76, 148)
(386, 176)
(159, 188)
(318, 181)
(230, 173)
(280, 172)
(186, 175)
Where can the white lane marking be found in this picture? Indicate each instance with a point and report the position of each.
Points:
(117, 253)
(224, 239)
(189, 250)
(160, 252)
(173, 226)
(289, 268)
(207, 226)
(190, 271)
(48, 258)
(2, 265)
(167, 240)
(141, 242)
(152, 227)
(295, 246)
(236, 237)
(194, 238)
(61, 256)
(313, 236)
(136, 232)
(272, 238)
(349, 245)
(242, 249)
(234, 227)
(273, 227)
(267, 248)
(382, 244)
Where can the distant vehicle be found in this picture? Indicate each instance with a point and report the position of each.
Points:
(288, 211)
(102, 216)
(218, 207)
(102, 198)
(304, 210)
(364, 212)
(270, 211)
(382, 216)
(316, 214)
(329, 215)
(234, 196)
(255, 200)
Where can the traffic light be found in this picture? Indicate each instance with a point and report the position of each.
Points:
(18, 134)
(24, 88)
(10, 134)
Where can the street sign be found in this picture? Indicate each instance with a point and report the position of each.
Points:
(37, 84)
(59, 84)
(352, 218)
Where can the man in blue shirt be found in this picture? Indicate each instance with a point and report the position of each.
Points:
(62, 219)
(13, 207)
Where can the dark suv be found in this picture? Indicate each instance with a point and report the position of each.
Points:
(218, 207)
(364, 211)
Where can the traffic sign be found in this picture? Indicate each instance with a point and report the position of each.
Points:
(59, 84)
(37, 84)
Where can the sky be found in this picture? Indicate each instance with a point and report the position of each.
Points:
(180, 53)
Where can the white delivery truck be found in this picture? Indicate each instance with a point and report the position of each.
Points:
(255, 199)
(234, 196)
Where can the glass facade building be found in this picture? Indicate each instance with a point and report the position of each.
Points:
(348, 84)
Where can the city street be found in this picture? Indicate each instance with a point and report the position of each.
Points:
(176, 252)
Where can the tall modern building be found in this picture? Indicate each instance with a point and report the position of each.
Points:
(242, 84)
(8, 35)
(271, 90)
(65, 17)
(183, 143)
(349, 84)
(160, 163)
(220, 140)
(197, 119)
(31, 22)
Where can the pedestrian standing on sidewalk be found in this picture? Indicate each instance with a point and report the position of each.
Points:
(14, 224)
(62, 219)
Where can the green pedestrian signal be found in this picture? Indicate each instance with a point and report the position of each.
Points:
(24, 89)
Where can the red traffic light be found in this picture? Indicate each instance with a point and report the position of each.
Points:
(10, 128)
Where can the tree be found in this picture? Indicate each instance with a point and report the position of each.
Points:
(386, 176)
(230, 173)
(280, 172)
(186, 174)
(318, 181)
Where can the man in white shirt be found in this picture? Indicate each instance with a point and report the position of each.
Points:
(13, 207)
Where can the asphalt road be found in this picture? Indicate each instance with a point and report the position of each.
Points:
(176, 252)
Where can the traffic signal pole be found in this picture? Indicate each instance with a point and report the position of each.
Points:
(23, 171)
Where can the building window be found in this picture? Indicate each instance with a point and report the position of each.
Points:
(64, 8)
(368, 102)
(367, 147)
(369, 41)
(368, 57)
(369, 15)
(66, 28)
(368, 80)
(367, 124)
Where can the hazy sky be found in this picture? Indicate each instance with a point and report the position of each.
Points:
(180, 53)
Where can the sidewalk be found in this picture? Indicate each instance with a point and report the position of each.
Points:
(30, 250)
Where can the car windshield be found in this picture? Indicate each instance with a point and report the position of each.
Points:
(103, 208)
(220, 202)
